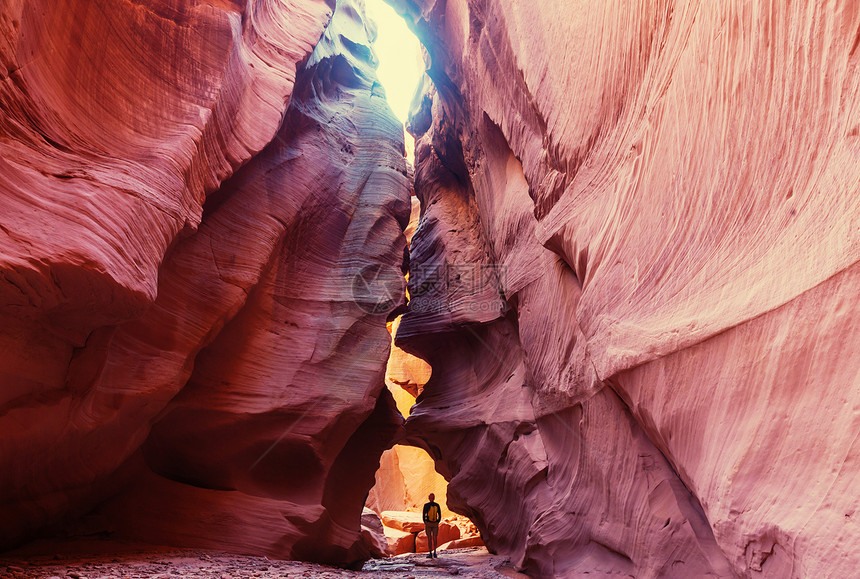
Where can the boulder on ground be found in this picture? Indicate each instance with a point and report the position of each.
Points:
(447, 532)
(373, 534)
(462, 543)
(403, 520)
(399, 542)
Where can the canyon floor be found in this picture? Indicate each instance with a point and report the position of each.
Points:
(101, 560)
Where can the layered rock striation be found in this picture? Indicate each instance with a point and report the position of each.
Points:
(201, 246)
(633, 279)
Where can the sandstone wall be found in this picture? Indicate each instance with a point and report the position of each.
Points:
(654, 368)
(183, 326)
(634, 277)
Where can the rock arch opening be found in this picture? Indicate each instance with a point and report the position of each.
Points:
(407, 474)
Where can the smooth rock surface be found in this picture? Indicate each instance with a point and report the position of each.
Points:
(389, 488)
(224, 385)
(118, 118)
(632, 280)
(405, 478)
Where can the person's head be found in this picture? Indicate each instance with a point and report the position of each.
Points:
(432, 497)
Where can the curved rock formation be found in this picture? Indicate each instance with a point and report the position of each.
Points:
(218, 368)
(118, 118)
(634, 277)
(633, 281)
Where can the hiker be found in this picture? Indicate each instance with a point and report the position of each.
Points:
(432, 516)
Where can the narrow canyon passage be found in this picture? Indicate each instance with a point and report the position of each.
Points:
(605, 307)
(407, 474)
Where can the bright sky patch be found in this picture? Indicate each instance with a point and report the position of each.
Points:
(399, 52)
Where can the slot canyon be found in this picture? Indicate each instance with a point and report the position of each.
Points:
(605, 315)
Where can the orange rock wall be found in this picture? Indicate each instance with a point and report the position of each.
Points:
(405, 478)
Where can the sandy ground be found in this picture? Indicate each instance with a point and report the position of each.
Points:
(120, 561)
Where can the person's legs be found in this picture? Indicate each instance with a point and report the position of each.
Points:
(428, 531)
(433, 538)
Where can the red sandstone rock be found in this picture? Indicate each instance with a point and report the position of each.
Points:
(373, 533)
(653, 372)
(405, 370)
(447, 533)
(405, 478)
(243, 411)
(670, 191)
(399, 542)
(462, 543)
(118, 119)
(409, 522)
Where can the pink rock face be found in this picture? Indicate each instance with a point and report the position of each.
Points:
(225, 385)
(664, 195)
(634, 278)
(117, 119)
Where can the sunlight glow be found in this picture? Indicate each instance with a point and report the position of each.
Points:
(399, 52)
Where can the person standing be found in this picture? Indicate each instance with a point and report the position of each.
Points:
(432, 515)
